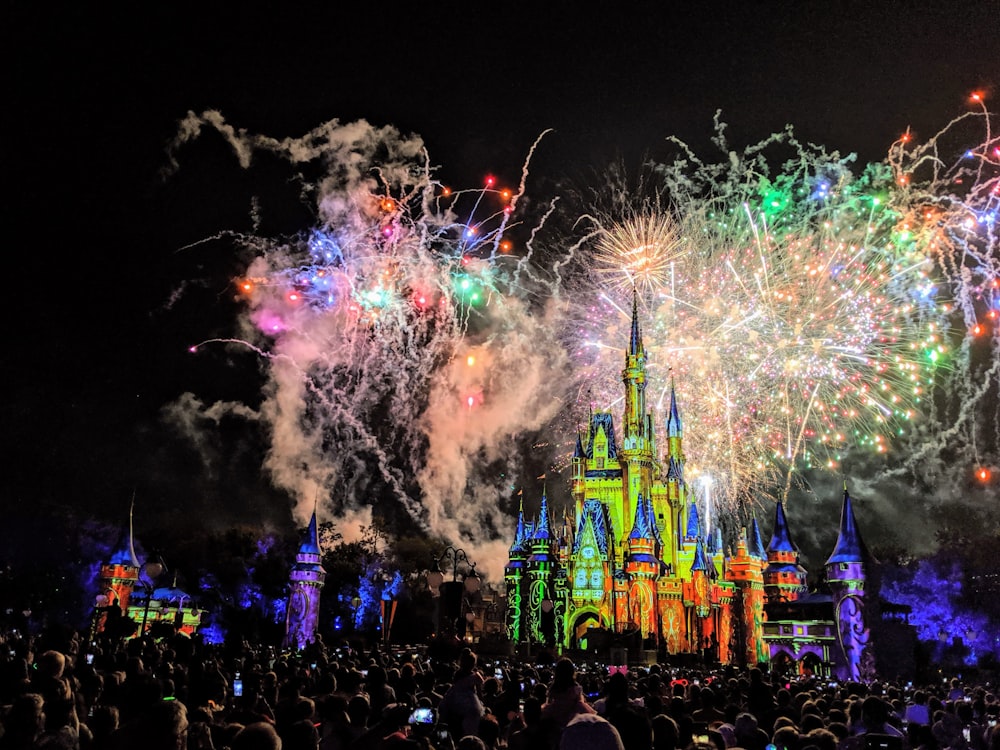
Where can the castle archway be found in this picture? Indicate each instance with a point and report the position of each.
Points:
(583, 622)
(783, 663)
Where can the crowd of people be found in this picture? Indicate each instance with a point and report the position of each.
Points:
(68, 693)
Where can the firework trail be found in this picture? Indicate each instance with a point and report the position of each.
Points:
(805, 312)
(400, 351)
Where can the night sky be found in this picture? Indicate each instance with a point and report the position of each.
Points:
(109, 283)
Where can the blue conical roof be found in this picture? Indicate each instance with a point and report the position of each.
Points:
(310, 542)
(756, 545)
(850, 547)
(542, 526)
(578, 450)
(674, 427)
(520, 534)
(781, 539)
(640, 526)
(694, 522)
(701, 561)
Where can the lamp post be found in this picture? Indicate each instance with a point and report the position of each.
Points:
(153, 569)
(455, 589)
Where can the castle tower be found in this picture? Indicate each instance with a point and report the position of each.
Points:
(306, 582)
(641, 570)
(514, 577)
(541, 565)
(700, 595)
(638, 448)
(118, 575)
(784, 578)
(746, 570)
(845, 574)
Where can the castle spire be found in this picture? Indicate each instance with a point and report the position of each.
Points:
(756, 544)
(781, 538)
(543, 529)
(519, 532)
(850, 547)
(578, 450)
(694, 522)
(635, 340)
(640, 526)
(701, 561)
(310, 542)
(674, 426)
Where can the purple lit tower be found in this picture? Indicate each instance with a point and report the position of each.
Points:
(845, 574)
(306, 583)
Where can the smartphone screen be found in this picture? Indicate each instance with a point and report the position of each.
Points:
(238, 688)
(90, 658)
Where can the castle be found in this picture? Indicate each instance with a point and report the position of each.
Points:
(635, 559)
(121, 574)
(118, 579)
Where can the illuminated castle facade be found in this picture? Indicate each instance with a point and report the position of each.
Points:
(122, 585)
(636, 558)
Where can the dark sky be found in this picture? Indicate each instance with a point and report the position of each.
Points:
(93, 95)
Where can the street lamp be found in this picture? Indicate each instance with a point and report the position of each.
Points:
(454, 589)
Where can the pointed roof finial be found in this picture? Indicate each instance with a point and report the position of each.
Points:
(635, 340)
(131, 535)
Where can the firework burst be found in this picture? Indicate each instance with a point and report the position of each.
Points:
(638, 252)
(803, 315)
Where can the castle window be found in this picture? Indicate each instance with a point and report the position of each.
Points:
(600, 463)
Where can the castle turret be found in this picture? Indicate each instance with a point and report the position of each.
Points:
(306, 582)
(119, 573)
(514, 578)
(845, 574)
(746, 570)
(784, 578)
(541, 565)
(641, 570)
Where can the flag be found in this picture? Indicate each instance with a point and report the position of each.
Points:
(520, 493)
(541, 477)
